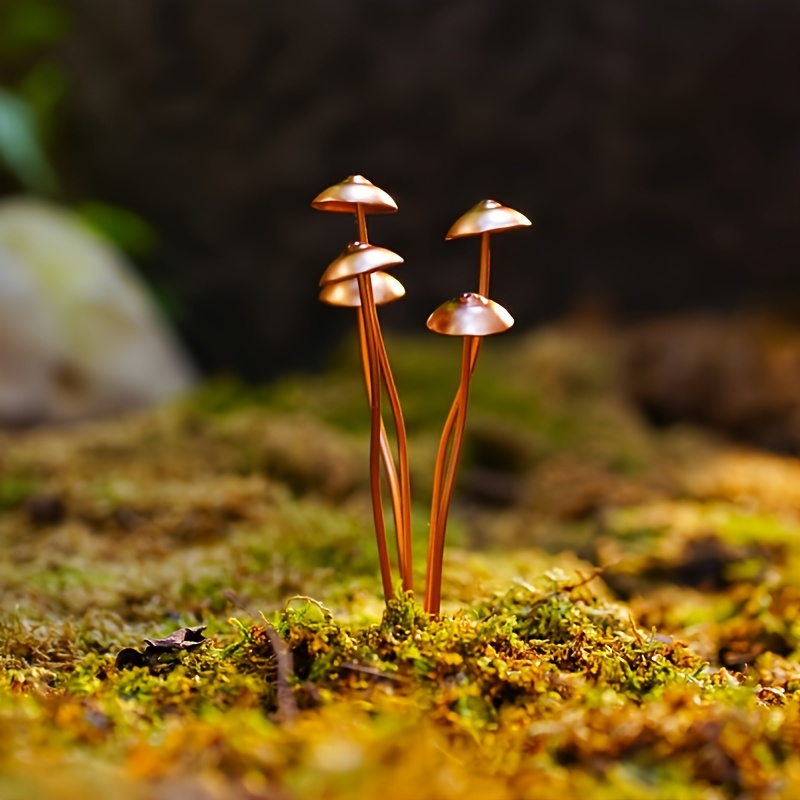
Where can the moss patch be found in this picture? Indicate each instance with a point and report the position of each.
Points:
(622, 617)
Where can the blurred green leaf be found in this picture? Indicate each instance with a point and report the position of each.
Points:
(20, 145)
(28, 25)
(124, 228)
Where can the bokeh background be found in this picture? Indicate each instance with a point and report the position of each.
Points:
(655, 145)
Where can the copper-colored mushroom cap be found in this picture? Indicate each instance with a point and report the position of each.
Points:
(470, 314)
(345, 293)
(487, 217)
(352, 191)
(359, 258)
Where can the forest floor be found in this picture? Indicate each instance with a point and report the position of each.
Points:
(621, 604)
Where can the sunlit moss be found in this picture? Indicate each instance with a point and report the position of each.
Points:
(619, 621)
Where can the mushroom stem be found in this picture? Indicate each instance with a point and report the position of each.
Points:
(486, 265)
(361, 221)
(370, 317)
(403, 510)
(386, 453)
(441, 504)
(436, 501)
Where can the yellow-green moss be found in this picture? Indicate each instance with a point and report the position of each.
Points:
(622, 617)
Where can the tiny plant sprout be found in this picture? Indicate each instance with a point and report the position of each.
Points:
(470, 316)
(359, 196)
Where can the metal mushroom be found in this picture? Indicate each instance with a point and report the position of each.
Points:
(356, 279)
(359, 196)
(385, 289)
(354, 192)
(483, 219)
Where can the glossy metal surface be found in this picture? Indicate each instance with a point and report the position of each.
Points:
(345, 293)
(354, 191)
(359, 258)
(488, 216)
(470, 315)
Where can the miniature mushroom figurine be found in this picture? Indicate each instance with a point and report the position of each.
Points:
(484, 219)
(471, 316)
(357, 195)
(385, 289)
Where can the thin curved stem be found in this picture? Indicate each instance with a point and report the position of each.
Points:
(486, 265)
(458, 436)
(446, 431)
(401, 518)
(473, 357)
(438, 472)
(361, 221)
(368, 304)
(404, 530)
(437, 534)
(441, 464)
(386, 452)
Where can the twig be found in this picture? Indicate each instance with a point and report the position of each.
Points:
(284, 665)
(287, 705)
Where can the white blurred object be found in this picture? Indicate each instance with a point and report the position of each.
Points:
(79, 336)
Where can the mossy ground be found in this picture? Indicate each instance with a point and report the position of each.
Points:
(622, 606)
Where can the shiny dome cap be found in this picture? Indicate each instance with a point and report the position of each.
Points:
(470, 314)
(353, 191)
(359, 258)
(345, 293)
(487, 217)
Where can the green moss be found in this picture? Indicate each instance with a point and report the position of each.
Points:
(626, 624)
(14, 490)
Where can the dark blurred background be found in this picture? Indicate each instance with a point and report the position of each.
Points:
(654, 144)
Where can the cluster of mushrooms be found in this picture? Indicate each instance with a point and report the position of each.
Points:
(357, 279)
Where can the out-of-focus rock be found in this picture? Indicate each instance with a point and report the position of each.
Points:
(79, 337)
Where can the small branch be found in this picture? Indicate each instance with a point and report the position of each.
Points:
(287, 705)
(284, 665)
